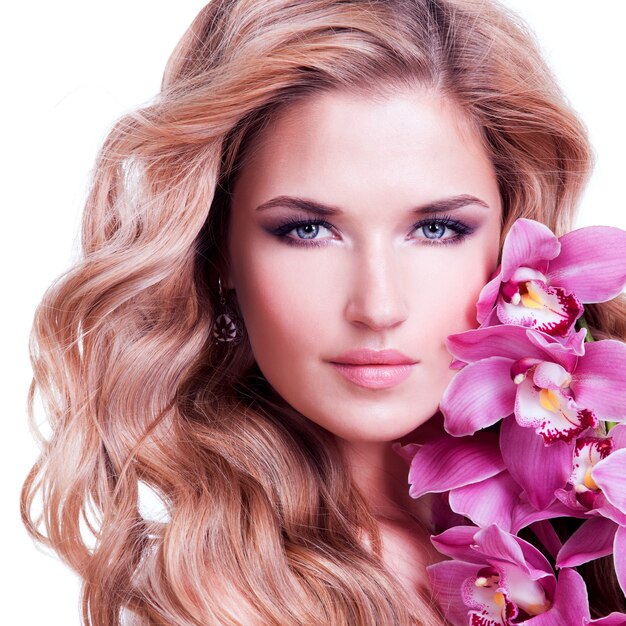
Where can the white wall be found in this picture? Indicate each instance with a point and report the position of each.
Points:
(69, 69)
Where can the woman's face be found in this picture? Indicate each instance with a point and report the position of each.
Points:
(362, 224)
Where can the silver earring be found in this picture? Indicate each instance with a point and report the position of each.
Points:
(227, 326)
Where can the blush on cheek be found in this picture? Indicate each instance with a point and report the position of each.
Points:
(456, 311)
(470, 279)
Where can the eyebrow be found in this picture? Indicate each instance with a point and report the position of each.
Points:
(438, 206)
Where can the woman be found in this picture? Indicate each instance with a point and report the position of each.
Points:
(273, 254)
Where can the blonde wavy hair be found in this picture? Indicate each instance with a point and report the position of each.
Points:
(265, 525)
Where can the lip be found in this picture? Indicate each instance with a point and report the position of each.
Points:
(365, 356)
(374, 369)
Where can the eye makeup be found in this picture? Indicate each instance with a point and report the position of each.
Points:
(461, 230)
(444, 223)
(283, 229)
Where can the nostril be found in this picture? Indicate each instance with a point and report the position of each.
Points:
(375, 316)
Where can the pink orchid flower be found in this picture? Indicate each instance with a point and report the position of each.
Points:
(597, 486)
(494, 579)
(559, 391)
(497, 579)
(543, 280)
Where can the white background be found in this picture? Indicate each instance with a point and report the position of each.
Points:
(69, 69)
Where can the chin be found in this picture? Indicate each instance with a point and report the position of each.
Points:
(382, 429)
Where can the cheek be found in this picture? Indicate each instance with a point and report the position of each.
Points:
(450, 306)
(283, 309)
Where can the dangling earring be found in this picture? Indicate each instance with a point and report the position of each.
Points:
(227, 326)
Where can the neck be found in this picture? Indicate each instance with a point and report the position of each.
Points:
(381, 475)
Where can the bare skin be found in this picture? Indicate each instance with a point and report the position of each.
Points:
(405, 523)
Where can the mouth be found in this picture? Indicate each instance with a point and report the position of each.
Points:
(374, 369)
(375, 376)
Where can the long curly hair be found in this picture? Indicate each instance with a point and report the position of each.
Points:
(263, 523)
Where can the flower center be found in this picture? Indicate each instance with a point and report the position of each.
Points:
(505, 596)
(588, 453)
(522, 368)
(589, 482)
(529, 297)
(499, 599)
(549, 400)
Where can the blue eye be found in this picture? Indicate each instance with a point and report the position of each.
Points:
(308, 231)
(305, 231)
(436, 230)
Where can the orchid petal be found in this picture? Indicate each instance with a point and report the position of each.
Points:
(457, 364)
(507, 341)
(527, 593)
(600, 378)
(506, 550)
(456, 543)
(606, 509)
(551, 375)
(538, 469)
(491, 319)
(619, 557)
(613, 619)
(570, 606)
(479, 395)
(526, 514)
(495, 544)
(491, 545)
(528, 243)
(523, 274)
(568, 498)
(450, 462)
(618, 435)
(490, 501)
(610, 475)
(487, 299)
(406, 452)
(446, 579)
(565, 351)
(592, 263)
(574, 341)
(592, 540)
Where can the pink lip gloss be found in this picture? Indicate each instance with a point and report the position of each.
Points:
(374, 376)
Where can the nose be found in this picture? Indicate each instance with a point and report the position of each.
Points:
(377, 295)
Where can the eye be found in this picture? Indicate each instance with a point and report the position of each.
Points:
(444, 230)
(309, 230)
(299, 232)
(435, 230)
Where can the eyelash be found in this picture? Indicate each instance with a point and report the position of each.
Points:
(462, 230)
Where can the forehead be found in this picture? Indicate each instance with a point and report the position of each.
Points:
(337, 140)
